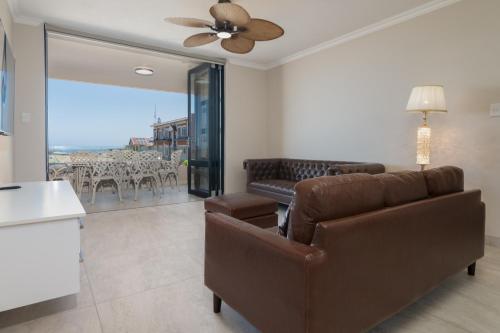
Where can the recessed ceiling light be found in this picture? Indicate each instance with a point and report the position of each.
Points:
(143, 71)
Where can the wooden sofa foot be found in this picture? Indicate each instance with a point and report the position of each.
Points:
(217, 304)
(471, 270)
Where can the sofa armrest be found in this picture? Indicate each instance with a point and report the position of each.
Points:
(370, 168)
(262, 275)
(259, 169)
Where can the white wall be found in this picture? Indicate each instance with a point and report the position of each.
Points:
(246, 122)
(6, 142)
(348, 102)
(29, 144)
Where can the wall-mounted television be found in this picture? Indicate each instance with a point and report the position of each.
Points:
(7, 85)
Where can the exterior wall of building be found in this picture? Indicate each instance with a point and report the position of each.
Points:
(166, 142)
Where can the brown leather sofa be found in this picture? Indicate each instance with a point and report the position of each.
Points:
(360, 248)
(276, 178)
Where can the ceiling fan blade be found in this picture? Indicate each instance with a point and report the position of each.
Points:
(238, 44)
(189, 22)
(200, 39)
(229, 12)
(262, 30)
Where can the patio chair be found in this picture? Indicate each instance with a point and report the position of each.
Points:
(80, 164)
(149, 155)
(107, 171)
(170, 169)
(128, 155)
(141, 170)
(60, 171)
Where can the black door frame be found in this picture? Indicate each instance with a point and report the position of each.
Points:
(215, 162)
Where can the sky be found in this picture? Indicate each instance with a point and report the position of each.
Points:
(90, 115)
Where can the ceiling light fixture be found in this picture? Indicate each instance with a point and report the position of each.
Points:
(143, 71)
(224, 35)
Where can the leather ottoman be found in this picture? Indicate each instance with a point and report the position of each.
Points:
(251, 208)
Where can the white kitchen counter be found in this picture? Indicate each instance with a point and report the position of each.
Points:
(39, 202)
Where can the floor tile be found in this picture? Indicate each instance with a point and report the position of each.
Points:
(140, 270)
(83, 320)
(182, 307)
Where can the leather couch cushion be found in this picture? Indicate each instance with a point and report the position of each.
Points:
(444, 180)
(241, 205)
(403, 187)
(328, 198)
(275, 185)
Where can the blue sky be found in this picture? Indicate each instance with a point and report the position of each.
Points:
(86, 114)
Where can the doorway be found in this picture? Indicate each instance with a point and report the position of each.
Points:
(126, 139)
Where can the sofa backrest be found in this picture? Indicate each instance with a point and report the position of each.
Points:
(331, 198)
(297, 170)
(327, 198)
(444, 180)
(403, 187)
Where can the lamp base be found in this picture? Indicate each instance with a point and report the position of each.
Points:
(422, 167)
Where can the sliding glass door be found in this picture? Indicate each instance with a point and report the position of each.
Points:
(205, 115)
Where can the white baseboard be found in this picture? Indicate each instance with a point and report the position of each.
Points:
(493, 241)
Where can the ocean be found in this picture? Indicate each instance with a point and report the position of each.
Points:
(65, 150)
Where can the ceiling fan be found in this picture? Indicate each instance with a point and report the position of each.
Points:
(233, 25)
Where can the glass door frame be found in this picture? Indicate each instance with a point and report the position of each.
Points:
(215, 162)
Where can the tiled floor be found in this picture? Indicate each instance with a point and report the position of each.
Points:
(107, 200)
(143, 272)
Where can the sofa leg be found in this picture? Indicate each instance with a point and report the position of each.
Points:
(471, 270)
(217, 304)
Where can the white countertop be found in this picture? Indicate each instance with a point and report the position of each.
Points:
(37, 202)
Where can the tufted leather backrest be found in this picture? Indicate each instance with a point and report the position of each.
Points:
(262, 169)
(297, 170)
(348, 167)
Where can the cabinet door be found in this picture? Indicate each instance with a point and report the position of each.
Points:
(40, 261)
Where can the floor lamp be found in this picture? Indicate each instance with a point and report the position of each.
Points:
(426, 99)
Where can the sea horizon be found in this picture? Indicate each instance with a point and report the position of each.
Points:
(66, 149)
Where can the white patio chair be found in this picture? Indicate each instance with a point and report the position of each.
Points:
(170, 169)
(60, 171)
(149, 155)
(145, 170)
(80, 163)
(107, 171)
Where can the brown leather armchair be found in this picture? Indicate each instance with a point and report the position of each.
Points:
(276, 178)
(359, 249)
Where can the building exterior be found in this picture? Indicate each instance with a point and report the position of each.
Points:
(140, 144)
(171, 135)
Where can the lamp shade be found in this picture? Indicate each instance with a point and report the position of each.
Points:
(427, 99)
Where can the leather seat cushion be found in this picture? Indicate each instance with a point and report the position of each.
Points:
(403, 187)
(281, 186)
(329, 198)
(444, 180)
(241, 205)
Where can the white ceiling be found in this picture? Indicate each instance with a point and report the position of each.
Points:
(307, 23)
(77, 59)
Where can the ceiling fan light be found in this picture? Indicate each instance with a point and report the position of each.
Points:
(144, 71)
(224, 35)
